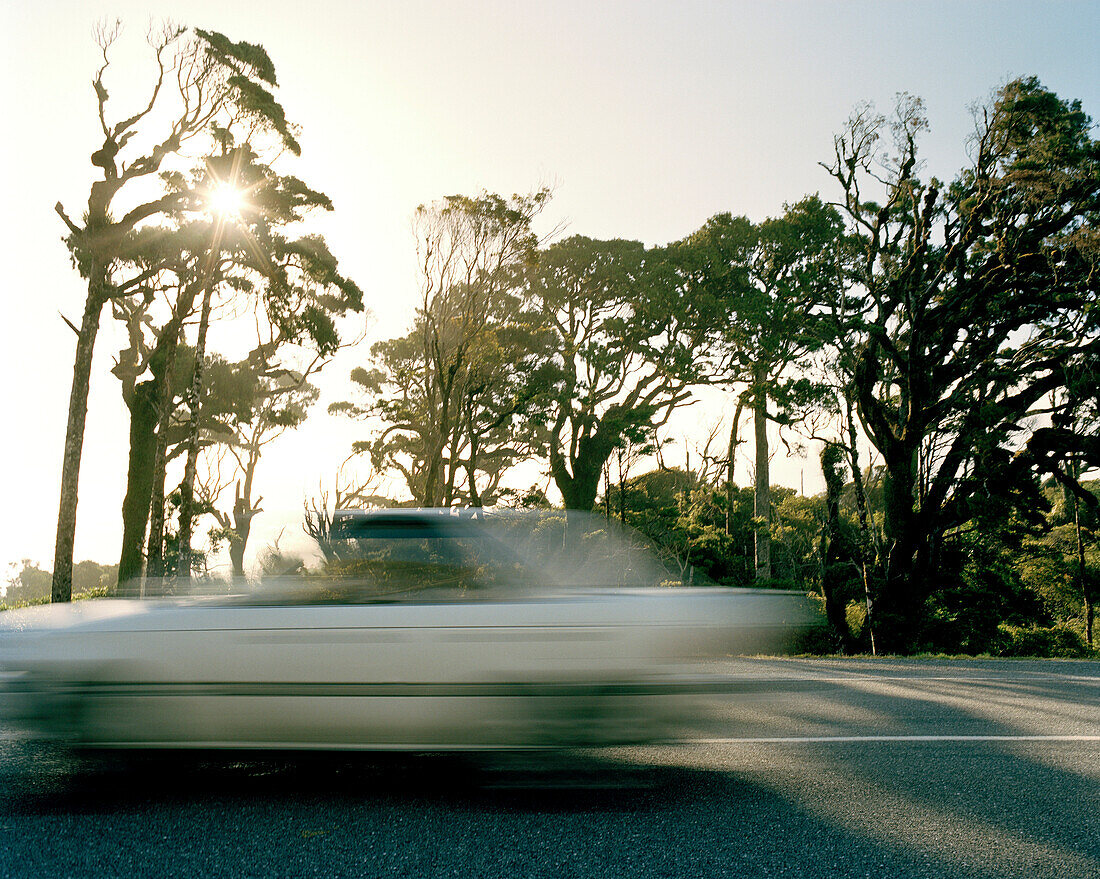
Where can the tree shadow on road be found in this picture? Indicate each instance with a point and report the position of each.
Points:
(1023, 808)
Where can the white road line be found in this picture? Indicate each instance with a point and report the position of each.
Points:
(860, 678)
(799, 740)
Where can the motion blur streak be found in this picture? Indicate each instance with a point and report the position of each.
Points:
(408, 629)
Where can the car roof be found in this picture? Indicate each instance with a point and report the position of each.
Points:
(405, 523)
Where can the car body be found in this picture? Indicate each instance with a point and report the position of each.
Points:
(463, 657)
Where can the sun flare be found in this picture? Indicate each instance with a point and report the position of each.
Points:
(226, 200)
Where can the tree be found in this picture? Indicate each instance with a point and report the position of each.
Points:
(151, 356)
(212, 76)
(29, 584)
(451, 392)
(767, 277)
(624, 343)
(291, 285)
(835, 551)
(32, 585)
(272, 401)
(298, 288)
(970, 303)
(1062, 564)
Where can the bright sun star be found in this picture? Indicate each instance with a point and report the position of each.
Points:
(227, 200)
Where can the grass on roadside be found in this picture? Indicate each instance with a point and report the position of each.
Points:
(97, 592)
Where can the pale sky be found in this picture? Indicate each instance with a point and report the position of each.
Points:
(647, 117)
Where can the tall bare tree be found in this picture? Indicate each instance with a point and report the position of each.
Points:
(270, 402)
(450, 392)
(197, 79)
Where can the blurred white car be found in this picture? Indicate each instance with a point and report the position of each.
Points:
(415, 630)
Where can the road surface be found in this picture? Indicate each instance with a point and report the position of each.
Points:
(801, 768)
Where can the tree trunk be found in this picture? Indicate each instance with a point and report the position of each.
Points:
(735, 429)
(579, 488)
(475, 495)
(243, 513)
(607, 490)
(829, 549)
(62, 588)
(434, 477)
(580, 492)
(622, 488)
(761, 506)
(899, 609)
(187, 487)
(867, 541)
(900, 603)
(1082, 574)
(432, 483)
(154, 565)
(154, 562)
(139, 485)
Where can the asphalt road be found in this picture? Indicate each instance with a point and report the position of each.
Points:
(804, 768)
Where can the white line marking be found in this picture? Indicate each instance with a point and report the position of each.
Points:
(921, 678)
(798, 740)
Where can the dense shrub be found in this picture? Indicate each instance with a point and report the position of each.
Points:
(1058, 641)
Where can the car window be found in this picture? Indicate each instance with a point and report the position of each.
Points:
(440, 555)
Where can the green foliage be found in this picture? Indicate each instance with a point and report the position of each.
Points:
(1063, 573)
(1058, 641)
(31, 585)
(687, 522)
(246, 63)
(296, 280)
(797, 521)
(762, 281)
(455, 396)
(239, 57)
(977, 590)
(855, 617)
(626, 340)
(967, 307)
(1048, 565)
